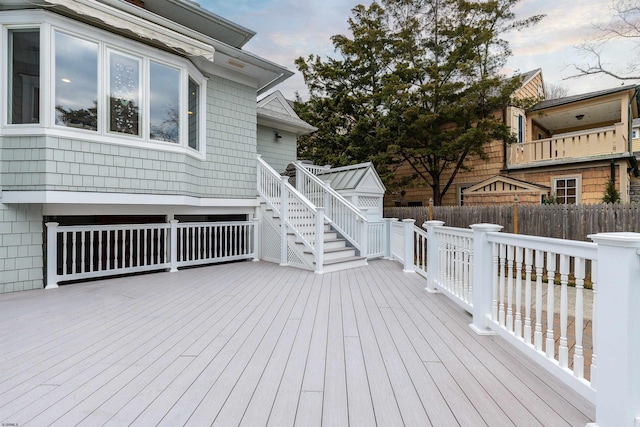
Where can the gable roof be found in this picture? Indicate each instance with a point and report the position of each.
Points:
(529, 75)
(360, 177)
(274, 111)
(505, 184)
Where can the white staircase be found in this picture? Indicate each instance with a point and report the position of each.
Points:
(296, 232)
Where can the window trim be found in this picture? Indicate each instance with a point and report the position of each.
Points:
(48, 24)
(578, 178)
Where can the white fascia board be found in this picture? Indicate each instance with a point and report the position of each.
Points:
(71, 197)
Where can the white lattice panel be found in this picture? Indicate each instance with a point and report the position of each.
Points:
(369, 202)
(293, 259)
(270, 239)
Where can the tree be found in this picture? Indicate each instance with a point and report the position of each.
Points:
(553, 91)
(624, 24)
(417, 84)
(611, 193)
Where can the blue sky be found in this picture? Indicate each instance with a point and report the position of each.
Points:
(287, 29)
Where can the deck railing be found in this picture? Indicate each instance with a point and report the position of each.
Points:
(296, 212)
(583, 144)
(541, 295)
(343, 216)
(90, 251)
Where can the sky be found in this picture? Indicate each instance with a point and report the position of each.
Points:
(288, 29)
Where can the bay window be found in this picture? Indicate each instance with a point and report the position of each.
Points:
(164, 108)
(76, 82)
(24, 76)
(101, 84)
(124, 93)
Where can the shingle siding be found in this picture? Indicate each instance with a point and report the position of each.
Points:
(277, 153)
(63, 164)
(21, 260)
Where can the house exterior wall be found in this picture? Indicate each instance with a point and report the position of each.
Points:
(592, 179)
(38, 163)
(531, 90)
(21, 255)
(524, 198)
(277, 153)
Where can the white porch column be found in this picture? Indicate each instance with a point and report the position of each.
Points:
(617, 324)
(284, 212)
(408, 246)
(364, 238)
(482, 277)
(52, 255)
(173, 240)
(432, 254)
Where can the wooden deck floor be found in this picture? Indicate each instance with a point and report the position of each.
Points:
(258, 344)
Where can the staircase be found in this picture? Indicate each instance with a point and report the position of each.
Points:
(311, 239)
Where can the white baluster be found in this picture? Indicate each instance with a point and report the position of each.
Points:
(510, 254)
(501, 308)
(578, 358)
(518, 320)
(563, 350)
(528, 259)
(538, 332)
(551, 274)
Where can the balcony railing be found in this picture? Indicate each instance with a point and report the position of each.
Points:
(575, 145)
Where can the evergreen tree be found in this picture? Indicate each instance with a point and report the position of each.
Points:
(417, 84)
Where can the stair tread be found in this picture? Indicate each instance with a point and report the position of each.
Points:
(334, 250)
(347, 259)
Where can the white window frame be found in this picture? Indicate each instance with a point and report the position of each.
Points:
(47, 24)
(578, 178)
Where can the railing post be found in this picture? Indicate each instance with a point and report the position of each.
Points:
(174, 246)
(259, 174)
(408, 246)
(284, 212)
(482, 271)
(319, 239)
(617, 326)
(387, 234)
(52, 255)
(256, 239)
(327, 200)
(364, 238)
(432, 254)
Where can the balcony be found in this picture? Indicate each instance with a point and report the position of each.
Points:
(603, 142)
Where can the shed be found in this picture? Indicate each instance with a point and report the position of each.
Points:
(360, 184)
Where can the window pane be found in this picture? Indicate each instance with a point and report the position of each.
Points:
(24, 76)
(76, 82)
(164, 103)
(124, 94)
(193, 113)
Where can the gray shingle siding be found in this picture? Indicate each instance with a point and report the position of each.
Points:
(62, 164)
(21, 259)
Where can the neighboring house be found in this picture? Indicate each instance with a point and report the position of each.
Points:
(129, 112)
(566, 149)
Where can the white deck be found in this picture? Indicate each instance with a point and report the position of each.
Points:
(258, 344)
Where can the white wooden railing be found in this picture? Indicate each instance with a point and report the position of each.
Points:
(89, 251)
(541, 295)
(297, 214)
(343, 216)
(582, 144)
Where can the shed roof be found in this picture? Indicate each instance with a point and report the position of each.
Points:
(361, 177)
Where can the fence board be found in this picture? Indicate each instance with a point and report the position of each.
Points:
(574, 222)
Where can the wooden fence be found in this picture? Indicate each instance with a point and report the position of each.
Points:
(574, 222)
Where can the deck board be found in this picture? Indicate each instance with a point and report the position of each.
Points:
(257, 344)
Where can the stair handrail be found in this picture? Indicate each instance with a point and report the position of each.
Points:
(274, 202)
(356, 235)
